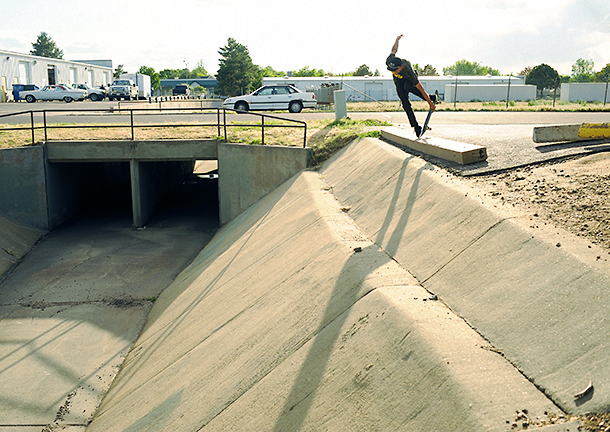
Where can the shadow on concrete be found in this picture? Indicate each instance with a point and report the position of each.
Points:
(392, 244)
(299, 401)
(587, 145)
(307, 382)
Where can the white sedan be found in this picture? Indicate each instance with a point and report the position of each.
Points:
(53, 92)
(272, 97)
(95, 94)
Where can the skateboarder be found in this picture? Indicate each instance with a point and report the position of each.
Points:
(406, 81)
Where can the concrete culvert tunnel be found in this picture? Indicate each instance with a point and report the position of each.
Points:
(78, 282)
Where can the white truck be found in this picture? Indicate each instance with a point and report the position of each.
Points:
(143, 83)
(123, 89)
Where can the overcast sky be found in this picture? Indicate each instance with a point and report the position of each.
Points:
(334, 35)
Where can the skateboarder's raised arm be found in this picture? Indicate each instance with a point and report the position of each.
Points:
(395, 47)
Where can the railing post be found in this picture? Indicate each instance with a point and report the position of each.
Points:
(224, 120)
(44, 116)
(218, 119)
(132, 132)
(305, 136)
(263, 130)
(32, 122)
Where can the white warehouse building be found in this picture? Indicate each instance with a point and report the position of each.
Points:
(27, 69)
(482, 88)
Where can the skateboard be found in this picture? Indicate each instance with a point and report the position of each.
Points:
(425, 124)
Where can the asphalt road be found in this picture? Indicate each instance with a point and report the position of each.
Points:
(65, 113)
(507, 135)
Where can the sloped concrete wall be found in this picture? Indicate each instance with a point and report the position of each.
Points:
(292, 319)
(542, 306)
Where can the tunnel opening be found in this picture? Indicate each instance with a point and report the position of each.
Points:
(192, 202)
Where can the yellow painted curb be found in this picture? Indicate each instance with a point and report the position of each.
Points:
(594, 130)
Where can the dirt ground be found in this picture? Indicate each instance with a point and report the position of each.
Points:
(572, 194)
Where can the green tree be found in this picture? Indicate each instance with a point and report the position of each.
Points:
(582, 71)
(236, 72)
(46, 47)
(199, 70)
(602, 75)
(427, 70)
(526, 70)
(308, 72)
(464, 67)
(155, 81)
(542, 76)
(169, 74)
(119, 71)
(363, 70)
(184, 73)
(266, 72)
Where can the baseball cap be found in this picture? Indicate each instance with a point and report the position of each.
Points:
(393, 63)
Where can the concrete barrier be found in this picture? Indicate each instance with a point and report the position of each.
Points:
(544, 307)
(559, 133)
(292, 319)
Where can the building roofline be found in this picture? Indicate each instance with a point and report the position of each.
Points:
(50, 59)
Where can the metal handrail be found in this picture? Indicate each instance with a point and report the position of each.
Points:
(132, 125)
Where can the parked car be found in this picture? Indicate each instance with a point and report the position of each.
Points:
(181, 89)
(272, 97)
(95, 94)
(53, 92)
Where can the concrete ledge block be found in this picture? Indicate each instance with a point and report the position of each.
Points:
(453, 151)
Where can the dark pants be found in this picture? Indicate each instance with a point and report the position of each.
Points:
(403, 88)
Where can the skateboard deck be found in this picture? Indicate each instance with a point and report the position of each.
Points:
(423, 130)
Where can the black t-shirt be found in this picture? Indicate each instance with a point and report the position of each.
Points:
(407, 73)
